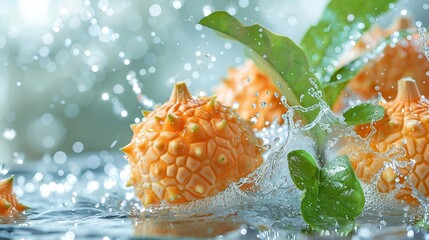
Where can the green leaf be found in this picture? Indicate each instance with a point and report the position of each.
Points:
(341, 19)
(281, 56)
(333, 196)
(342, 76)
(363, 113)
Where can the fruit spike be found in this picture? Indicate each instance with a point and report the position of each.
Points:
(145, 113)
(9, 204)
(187, 149)
(211, 104)
(180, 93)
(407, 90)
(405, 126)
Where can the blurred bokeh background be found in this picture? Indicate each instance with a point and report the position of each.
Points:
(74, 74)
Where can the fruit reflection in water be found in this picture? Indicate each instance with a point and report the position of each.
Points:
(405, 129)
(195, 228)
(189, 149)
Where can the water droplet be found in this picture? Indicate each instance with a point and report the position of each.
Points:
(177, 4)
(4, 169)
(187, 67)
(350, 17)
(339, 76)
(18, 157)
(105, 96)
(60, 157)
(254, 120)
(267, 146)
(155, 10)
(207, 10)
(263, 104)
(9, 134)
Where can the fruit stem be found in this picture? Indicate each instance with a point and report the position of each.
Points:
(180, 93)
(408, 90)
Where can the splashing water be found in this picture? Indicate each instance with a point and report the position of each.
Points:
(424, 36)
(144, 101)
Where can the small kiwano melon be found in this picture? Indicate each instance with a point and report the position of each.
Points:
(254, 92)
(9, 204)
(189, 149)
(380, 75)
(405, 127)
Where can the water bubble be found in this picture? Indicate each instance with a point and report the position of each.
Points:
(94, 68)
(78, 147)
(105, 96)
(187, 67)
(292, 20)
(207, 10)
(60, 157)
(254, 120)
(198, 27)
(48, 39)
(18, 157)
(232, 11)
(177, 4)
(155, 10)
(350, 17)
(9, 134)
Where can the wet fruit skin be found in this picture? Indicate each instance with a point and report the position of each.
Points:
(255, 94)
(405, 126)
(189, 149)
(403, 59)
(9, 204)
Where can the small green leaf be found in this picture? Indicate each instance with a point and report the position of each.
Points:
(363, 113)
(324, 42)
(342, 76)
(286, 60)
(333, 196)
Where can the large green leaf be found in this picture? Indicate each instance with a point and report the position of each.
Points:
(284, 60)
(341, 19)
(363, 113)
(333, 196)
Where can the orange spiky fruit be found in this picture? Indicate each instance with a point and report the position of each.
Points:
(9, 204)
(254, 92)
(404, 126)
(189, 149)
(380, 75)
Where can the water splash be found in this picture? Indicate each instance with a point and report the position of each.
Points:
(424, 36)
(144, 101)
